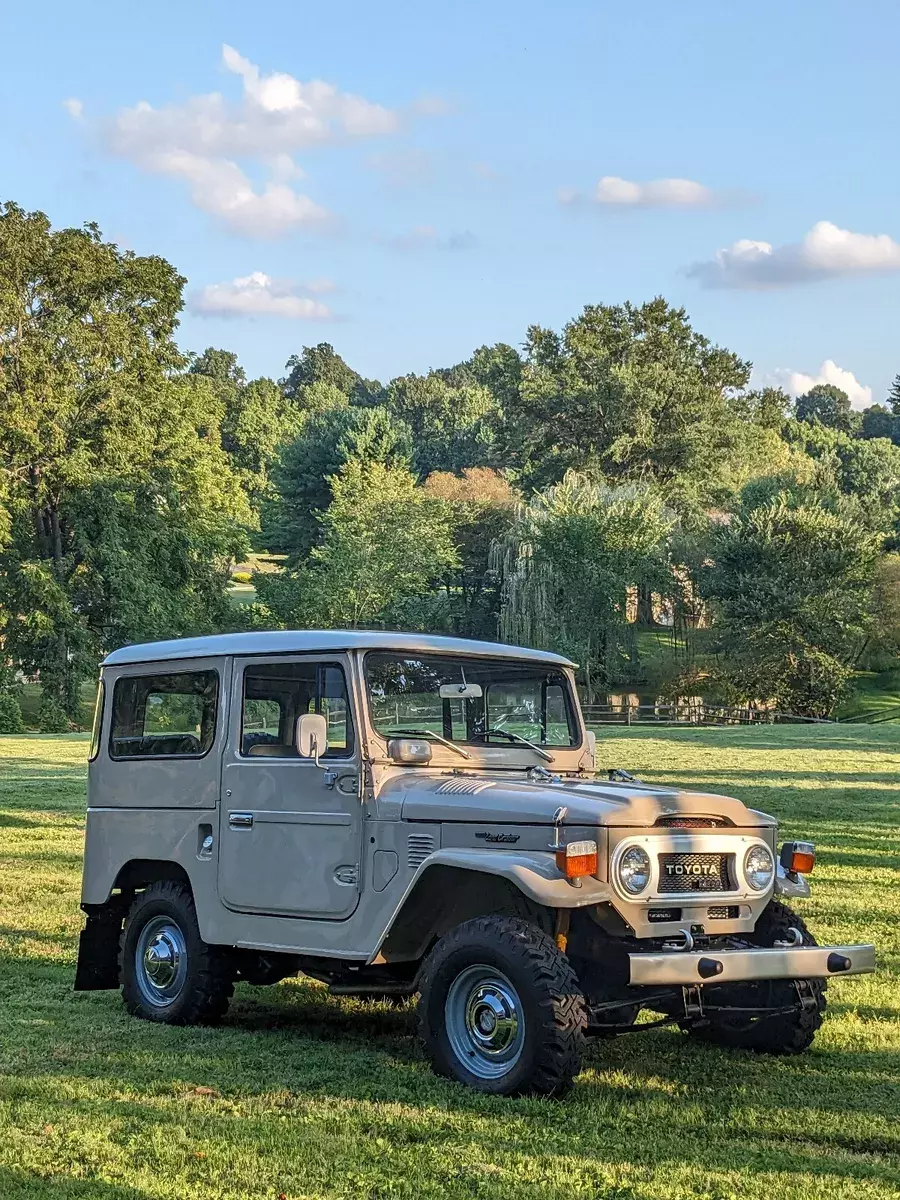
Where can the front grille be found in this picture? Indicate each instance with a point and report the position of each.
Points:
(695, 873)
(723, 912)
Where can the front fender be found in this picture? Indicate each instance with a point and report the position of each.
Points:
(533, 873)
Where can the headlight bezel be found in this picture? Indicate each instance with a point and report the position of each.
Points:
(753, 876)
(636, 850)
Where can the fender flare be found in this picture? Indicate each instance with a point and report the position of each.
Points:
(533, 873)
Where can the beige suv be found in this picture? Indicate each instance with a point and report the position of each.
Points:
(396, 814)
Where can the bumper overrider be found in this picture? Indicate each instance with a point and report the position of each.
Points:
(691, 968)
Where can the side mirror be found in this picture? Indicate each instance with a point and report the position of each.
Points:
(591, 739)
(312, 736)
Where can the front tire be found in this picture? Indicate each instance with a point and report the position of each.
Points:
(788, 1033)
(169, 974)
(501, 1009)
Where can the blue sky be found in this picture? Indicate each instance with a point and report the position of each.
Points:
(445, 190)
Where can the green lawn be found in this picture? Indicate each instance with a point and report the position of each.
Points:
(875, 694)
(301, 1095)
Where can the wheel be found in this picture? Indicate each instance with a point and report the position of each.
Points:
(788, 1033)
(168, 972)
(501, 1009)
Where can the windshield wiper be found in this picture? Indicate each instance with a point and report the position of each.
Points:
(429, 733)
(516, 737)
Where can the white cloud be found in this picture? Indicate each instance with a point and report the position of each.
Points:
(74, 107)
(797, 383)
(614, 192)
(826, 252)
(221, 188)
(426, 237)
(658, 193)
(258, 295)
(277, 115)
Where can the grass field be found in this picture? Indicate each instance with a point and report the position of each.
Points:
(300, 1095)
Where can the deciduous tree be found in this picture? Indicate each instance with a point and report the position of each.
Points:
(105, 450)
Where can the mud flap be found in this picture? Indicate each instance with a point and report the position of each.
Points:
(98, 952)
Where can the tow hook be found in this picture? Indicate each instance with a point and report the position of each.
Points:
(794, 938)
(687, 944)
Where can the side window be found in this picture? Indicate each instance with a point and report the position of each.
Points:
(161, 715)
(332, 703)
(276, 694)
(98, 723)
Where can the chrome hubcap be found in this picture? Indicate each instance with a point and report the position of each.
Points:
(161, 961)
(485, 1023)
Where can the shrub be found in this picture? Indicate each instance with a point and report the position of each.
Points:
(10, 713)
(241, 577)
(52, 717)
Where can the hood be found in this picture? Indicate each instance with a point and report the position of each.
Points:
(500, 800)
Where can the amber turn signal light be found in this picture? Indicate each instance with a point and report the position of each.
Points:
(798, 857)
(576, 859)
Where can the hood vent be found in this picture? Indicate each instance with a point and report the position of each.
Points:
(418, 847)
(463, 787)
(679, 822)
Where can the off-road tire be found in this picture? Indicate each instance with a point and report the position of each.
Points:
(209, 977)
(553, 1005)
(790, 1033)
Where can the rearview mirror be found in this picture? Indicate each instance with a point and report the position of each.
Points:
(460, 691)
(312, 736)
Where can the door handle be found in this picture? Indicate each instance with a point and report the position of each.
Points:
(240, 820)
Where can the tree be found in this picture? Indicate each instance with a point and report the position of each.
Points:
(878, 422)
(107, 450)
(790, 575)
(865, 471)
(385, 541)
(256, 418)
(568, 562)
(630, 392)
(829, 405)
(482, 504)
(453, 422)
(322, 364)
(303, 474)
(894, 396)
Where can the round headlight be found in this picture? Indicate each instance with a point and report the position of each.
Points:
(634, 870)
(759, 867)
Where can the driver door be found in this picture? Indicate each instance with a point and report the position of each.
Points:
(290, 831)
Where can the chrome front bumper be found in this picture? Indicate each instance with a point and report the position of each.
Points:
(690, 968)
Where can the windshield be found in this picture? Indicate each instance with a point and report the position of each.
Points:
(521, 699)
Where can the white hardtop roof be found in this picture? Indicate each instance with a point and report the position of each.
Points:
(295, 641)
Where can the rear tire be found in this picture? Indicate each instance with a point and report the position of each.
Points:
(501, 1009)
(789, 1033)
(169, 974)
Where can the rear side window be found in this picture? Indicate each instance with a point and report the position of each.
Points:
(164, 715)
(98, 723)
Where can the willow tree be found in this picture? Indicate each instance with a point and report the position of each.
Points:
(568, 564)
